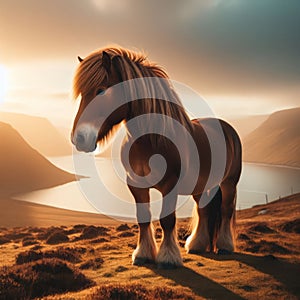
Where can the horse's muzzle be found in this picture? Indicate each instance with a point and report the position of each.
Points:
(85, 139)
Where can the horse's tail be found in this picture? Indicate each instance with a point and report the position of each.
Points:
(214, 218)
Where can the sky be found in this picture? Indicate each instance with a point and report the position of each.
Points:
(242, 56)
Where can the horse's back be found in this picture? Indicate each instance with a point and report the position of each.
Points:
(225, 146)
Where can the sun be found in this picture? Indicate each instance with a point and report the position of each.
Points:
(3, 82)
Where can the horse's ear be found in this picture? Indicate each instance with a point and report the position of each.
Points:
(80, 59)
(106, 61)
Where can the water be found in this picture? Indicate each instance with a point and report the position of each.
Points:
(109, 194)
(265, 183)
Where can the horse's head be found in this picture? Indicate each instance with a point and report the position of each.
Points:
(116, 85)
(100, 105)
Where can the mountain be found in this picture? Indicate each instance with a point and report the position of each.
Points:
(275, 141)
(39, 133)
(246, 125)
(22, 168)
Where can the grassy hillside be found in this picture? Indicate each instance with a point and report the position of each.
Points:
(94, 262)
(275, 141)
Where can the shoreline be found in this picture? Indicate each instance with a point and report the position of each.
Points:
(20, 213)
(271, 165)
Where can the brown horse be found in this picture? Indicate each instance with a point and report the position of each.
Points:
(201, 157)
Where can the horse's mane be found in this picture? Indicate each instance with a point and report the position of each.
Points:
(130, 65)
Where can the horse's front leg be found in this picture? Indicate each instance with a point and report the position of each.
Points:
(146, 249)
(169, 253)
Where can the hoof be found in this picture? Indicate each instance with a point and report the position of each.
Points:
(167, 266)
(141, 261)
(224, 252)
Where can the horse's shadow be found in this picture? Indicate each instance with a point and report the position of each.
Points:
(280, 269)
(283, 271)
(198, 283)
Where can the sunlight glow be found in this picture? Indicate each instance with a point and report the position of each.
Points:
(111, 6)
(3, 82)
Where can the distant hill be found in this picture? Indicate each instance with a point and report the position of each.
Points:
(246, 125)
(39, 133)
(275, 141)
(23, 169)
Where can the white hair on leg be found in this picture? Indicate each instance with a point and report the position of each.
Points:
(146, 249)
(225, 239)
(169, 252)
(199, 239)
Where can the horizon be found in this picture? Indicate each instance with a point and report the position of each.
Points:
(241, 68)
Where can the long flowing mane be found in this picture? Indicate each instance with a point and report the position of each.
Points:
(131, 65)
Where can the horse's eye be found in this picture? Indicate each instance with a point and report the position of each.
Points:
(100, 92)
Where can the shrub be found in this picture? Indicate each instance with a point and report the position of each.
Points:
(99, 241)
(93, 264)
(121, 269)
(137, 292)
(264, 246)
(126, 234)
(16, 236)
(123, 227)
(57, 238)
(4, 240)
(291, 226)
(261, 228)
(41, 278)
(29, 241)
(243, 237)
(76, 229)
(28, 256)
(91, 232)
(46, 232)
(67, 254)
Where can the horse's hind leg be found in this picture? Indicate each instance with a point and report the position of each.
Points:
(146, 249)
(199, 240)
(169, 253)
(206, 223)
(225, 239)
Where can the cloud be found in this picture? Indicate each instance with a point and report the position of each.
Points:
(217, 46)
(261, 34)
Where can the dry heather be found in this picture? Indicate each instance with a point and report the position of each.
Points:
(137, 291)
(92, 262)
(40, 278)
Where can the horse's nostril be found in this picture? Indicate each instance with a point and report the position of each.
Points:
(80, 139)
